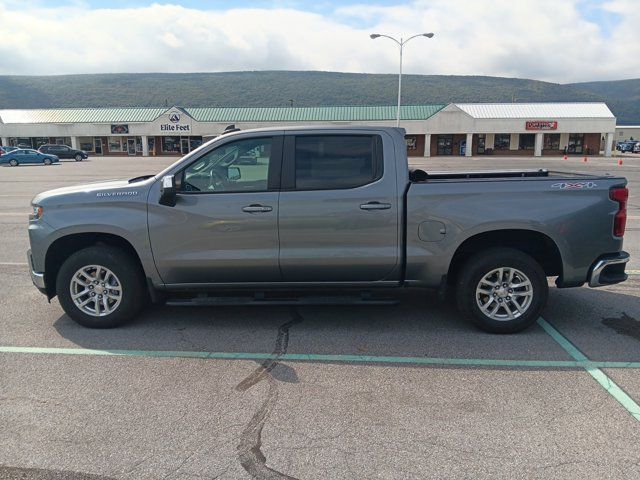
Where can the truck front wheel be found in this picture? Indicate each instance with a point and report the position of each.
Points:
(502, 290)
(100, 287)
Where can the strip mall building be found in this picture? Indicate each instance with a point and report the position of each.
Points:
(530, 129)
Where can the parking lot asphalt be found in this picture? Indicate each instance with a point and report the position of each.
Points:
(398, 392)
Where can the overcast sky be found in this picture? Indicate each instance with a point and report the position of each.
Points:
(555, 40)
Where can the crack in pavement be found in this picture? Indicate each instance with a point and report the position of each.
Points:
(250, 447)
(13, 473)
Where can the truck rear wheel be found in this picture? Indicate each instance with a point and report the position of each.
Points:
(100, 287)
(502, 290)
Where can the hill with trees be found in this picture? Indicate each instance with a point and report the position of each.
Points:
(309, 88)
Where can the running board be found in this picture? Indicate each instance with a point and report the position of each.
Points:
(205, 300)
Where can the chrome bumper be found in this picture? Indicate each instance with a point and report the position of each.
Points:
(608, 270)
(36, 277)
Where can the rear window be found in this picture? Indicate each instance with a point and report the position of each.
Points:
(326, 162)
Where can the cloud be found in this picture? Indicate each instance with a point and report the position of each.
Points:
(543, 39)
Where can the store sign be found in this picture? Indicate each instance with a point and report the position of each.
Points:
(120, 129)
(175, 122)
(541, 125)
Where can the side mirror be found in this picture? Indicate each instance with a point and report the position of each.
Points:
(168, 191)
(233, 173)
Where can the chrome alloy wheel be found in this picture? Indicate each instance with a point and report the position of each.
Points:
(504, 294)
(96, 290)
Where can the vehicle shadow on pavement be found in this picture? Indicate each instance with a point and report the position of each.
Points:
(420, 326)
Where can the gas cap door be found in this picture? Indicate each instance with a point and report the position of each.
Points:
(431, 231)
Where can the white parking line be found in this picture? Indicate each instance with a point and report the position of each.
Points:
(13, 264)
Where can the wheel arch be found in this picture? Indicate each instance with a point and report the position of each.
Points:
(66, 245)
(536, 244)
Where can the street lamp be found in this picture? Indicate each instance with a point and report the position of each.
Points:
(401, 43)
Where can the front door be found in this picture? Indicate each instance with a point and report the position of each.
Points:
(445, 145)
(224, 226)
(131, 146)
(184, 146)
(97, 142)
(338, 209)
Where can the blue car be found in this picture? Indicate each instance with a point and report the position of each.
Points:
(27, 155)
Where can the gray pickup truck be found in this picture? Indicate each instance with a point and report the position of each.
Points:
(280, 215)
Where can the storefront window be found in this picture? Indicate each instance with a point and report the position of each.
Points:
(527, 141)
(195, 142)
(551, 141)
(171, 144)
(576, 140)
(116, 144)
(62, 141)
(502, 141)
(86, 144)
(412, 142)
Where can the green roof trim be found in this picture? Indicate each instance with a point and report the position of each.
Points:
(222, 114)
(312, 114)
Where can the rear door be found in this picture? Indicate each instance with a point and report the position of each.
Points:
(338, 219)
(63, 152)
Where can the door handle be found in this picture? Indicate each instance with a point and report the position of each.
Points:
(375, 206)
(257, 209)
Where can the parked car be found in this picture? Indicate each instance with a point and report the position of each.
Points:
(22, 156)
(627, 146)
(327, 209)
(6, 149)
(636, 148)
(63, 151)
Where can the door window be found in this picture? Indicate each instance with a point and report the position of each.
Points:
(481, 143)
(328, 162)
(445, 145)
(241, 166)
(576, 141)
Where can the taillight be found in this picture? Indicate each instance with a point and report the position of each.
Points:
(620, 195)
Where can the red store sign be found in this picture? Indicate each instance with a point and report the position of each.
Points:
(541, 125)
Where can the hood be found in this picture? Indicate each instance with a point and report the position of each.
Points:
(89, 192)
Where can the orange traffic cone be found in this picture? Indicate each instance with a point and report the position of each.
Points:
(584, 159)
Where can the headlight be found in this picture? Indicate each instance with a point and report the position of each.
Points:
(37, 213)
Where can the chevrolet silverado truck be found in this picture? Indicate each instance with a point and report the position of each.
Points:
(330, 210)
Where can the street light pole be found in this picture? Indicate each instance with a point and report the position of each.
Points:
(401, 43)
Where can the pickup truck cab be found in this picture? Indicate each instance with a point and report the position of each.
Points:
(331, 209)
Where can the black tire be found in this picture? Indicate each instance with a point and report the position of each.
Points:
(47, 161)
(13, 162)
(131, 281)
(78, 158)
(480, 265)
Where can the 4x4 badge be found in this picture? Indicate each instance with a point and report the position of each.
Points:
(574, 185)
